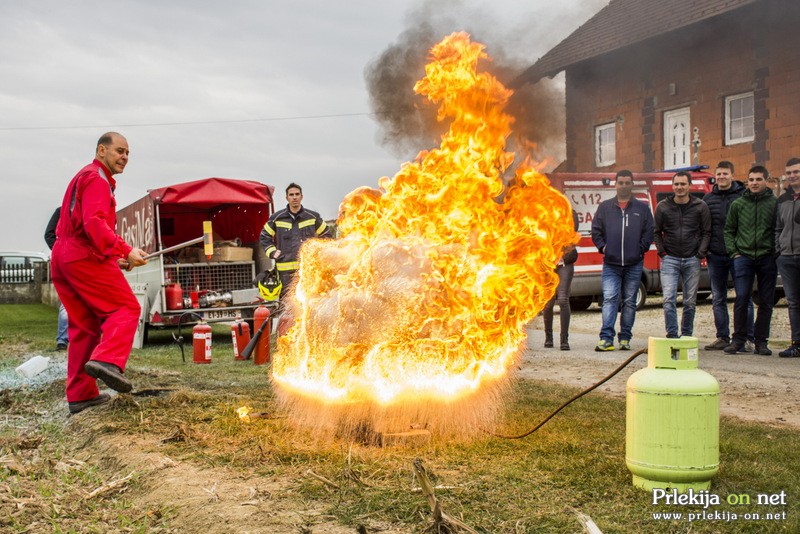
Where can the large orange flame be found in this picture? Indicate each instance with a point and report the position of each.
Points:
(417, 313)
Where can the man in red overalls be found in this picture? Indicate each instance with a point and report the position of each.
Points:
(86, 262)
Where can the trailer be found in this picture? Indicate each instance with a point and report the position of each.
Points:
(178, 288)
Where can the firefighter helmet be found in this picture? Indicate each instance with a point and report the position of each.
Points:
(269, 285)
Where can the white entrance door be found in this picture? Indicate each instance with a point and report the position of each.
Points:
(677, 139)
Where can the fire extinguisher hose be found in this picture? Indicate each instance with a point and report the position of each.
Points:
(179, 338)
(576, 397)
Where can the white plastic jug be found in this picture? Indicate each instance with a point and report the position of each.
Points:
(33, 367)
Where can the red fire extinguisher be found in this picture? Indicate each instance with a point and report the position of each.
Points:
(240, 333)
(261, 316)
(201, 342)
(174, 296)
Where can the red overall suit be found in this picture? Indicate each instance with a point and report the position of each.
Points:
(103, 312)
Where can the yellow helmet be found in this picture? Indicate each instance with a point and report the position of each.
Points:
(269, 285)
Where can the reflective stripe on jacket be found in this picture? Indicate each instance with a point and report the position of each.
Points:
(286, 231)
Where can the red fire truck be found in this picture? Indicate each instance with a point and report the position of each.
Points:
(585, 192)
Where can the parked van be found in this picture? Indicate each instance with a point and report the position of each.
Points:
(586, 191)
(17, 266)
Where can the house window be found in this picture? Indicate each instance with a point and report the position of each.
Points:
(605, 145)
(739, 119)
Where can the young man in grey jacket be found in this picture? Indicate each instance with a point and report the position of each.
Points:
(787, 245)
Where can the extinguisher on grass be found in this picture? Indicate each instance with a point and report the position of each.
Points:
(240, 334)
(259, 345)
(201, 342)
(261, 322)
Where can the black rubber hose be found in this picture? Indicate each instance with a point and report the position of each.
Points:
(576, 397)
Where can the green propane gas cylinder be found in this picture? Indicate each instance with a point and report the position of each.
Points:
(672, 419)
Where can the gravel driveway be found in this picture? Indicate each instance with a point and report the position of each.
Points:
(757, 388)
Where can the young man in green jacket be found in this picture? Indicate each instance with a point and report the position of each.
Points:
(750, 241)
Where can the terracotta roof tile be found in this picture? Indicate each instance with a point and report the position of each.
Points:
(623, 23)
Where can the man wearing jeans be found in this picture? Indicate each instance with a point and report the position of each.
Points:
(682, 235)
(622, 230)
(787, 245)
(750, 241)
(720, 265)
(62, 336)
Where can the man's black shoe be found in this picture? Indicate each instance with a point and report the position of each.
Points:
(734, 347)
(762, 350)
(791, 352)
(75, 407)
(61, 346)
(108, 373)
(719, 344)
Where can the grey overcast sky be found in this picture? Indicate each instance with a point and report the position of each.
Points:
(72, 70)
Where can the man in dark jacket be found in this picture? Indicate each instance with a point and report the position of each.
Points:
(720, 265)
(622, 230)
(750, 241)
(62, 336)
(683, 231)
(285, 232)
(787, 244)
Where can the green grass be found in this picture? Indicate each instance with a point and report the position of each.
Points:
(26, 328)
(575, 462)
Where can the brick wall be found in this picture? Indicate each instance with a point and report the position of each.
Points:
(697, 67)
(783, 81)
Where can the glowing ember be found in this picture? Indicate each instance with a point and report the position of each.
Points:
(244, 413)
(417, 314)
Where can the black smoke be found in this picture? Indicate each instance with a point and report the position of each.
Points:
(408, 121)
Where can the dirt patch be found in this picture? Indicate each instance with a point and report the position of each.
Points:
(214, 499)
(753, 388)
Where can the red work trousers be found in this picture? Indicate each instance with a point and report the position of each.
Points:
(103, 317)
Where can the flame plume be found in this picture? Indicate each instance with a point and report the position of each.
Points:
(417, 314)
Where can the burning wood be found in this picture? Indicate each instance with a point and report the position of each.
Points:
(246, 414)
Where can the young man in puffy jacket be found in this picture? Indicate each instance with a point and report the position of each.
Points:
(622, 230)
(787, 244)
(720, 265)
(683, 231)
(750, 241)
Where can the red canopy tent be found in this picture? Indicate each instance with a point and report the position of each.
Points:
(236, 209)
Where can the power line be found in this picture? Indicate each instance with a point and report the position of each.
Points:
(192, 123)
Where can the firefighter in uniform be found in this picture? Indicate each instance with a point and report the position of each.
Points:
(87, 258)
(285, 232)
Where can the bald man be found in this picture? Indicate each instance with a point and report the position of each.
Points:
(86, 269)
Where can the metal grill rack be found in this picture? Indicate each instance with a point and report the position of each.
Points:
(225, 276)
